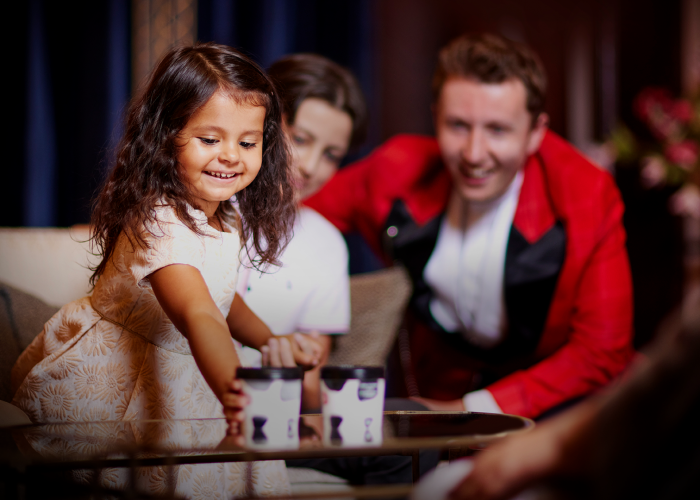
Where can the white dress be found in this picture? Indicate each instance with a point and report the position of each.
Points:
(116, 356)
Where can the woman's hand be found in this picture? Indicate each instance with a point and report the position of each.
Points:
(235, 401)
(297, 349)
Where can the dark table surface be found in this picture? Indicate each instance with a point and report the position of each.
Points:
(154, 442)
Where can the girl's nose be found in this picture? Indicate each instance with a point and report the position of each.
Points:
(229, 153)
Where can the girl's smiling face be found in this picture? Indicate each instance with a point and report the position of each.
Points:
(221, 150)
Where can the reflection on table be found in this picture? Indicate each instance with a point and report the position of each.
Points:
(84, 447)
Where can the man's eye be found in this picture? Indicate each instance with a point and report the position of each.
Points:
(208, 141)
(247, 145)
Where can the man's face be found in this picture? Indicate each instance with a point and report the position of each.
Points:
(485, 134)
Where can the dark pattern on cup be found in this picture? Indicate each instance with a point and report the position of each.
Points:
(336, 438)
(258, 434)
(335, 384)
(366, 390)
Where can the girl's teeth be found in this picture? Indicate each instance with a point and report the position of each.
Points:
(220, 175)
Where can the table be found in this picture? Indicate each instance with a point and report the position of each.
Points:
(36, 450)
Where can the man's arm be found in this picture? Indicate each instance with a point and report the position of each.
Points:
(599, 343)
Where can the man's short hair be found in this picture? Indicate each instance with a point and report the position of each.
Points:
(490, 58)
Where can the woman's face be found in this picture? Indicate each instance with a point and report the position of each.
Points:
(320, 136)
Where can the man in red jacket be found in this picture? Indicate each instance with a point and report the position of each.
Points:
(514, 241)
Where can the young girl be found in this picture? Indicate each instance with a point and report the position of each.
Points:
(324, 115)
(154, 339)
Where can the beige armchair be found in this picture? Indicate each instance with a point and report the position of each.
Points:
(378, 301)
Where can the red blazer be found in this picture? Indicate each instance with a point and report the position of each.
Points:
(567, 280)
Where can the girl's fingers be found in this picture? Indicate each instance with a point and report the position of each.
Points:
(232, 400)
(306, 345)
(309, 347)
(265, 351)
(234, 416)
(286, 354)
(236, 385)
(274, 348)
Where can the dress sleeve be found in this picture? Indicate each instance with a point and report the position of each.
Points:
(170, 242)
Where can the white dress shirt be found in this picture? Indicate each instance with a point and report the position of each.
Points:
(465, 272)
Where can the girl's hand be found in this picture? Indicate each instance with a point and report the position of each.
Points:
(234, 401)
(298, 349)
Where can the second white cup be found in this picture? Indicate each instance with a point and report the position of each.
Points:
(353, 405)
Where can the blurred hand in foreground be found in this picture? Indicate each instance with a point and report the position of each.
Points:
(557, 448)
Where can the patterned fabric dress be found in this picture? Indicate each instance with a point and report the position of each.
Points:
(117, 356)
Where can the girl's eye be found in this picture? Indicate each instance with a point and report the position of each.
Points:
(247, 145)
(208, 141)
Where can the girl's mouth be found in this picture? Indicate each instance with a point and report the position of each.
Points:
(221, 175)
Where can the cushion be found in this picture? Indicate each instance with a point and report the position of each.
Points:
(22, 317)
(378, 301)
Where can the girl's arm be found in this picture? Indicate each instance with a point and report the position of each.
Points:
(185, 298)
(245, 326)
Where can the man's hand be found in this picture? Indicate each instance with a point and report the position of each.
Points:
(437, 405)
(293, 350)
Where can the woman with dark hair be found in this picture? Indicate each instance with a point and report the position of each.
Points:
(324, 114)
(154, 339)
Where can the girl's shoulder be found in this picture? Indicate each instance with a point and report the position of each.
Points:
(166, 217)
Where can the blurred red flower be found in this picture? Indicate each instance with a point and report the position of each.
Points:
(684, 154)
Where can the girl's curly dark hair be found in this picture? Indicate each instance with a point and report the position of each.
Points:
(146, 170)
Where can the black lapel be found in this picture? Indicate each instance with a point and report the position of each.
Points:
(530, 277)
(411, 245)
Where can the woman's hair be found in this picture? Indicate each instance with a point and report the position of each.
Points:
(146, 172)
(488, 58)
(301, 76)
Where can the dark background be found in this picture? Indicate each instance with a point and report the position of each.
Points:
(70, 72)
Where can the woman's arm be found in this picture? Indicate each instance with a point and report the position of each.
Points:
(185, 298)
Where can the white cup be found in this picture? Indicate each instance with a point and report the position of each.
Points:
(353, 405)
(272, 417)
